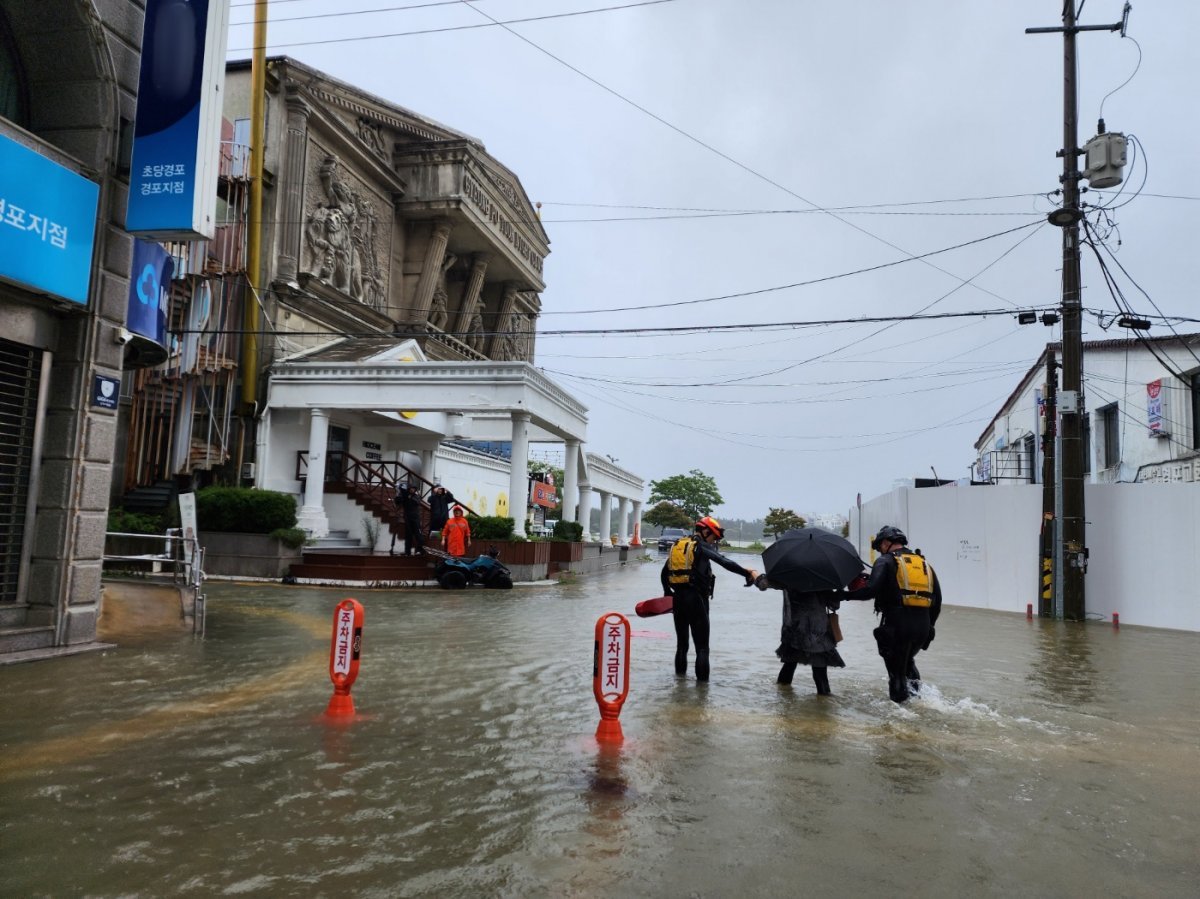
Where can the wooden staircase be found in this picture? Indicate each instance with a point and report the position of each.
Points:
(364, 566)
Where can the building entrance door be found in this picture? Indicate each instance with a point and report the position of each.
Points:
(335, 453)
(20, 381)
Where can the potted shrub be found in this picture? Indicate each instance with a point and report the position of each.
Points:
(248, 532)
(567, 543)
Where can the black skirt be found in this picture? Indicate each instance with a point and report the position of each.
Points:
(806, 637)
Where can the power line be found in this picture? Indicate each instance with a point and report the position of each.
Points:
(717, 152)
(749, 293)
(375, 37)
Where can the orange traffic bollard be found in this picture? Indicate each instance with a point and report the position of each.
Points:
(610, 673)
(344, 655)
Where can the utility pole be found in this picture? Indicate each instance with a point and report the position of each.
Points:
(1049, 535)
(1071, 527)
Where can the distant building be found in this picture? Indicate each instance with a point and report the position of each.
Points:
(1141, 418)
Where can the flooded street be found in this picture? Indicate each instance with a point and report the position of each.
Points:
(1041, 759)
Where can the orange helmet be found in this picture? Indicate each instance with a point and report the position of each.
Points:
(711, 524)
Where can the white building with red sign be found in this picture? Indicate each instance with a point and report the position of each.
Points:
(1141, 399)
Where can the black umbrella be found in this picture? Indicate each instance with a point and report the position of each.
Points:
(810, 559)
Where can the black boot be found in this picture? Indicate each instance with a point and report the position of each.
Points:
(701, 666)
(681, 662)
(913, 676)
(786, 673)
(821, 679)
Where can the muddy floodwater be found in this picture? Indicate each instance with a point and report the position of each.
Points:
(1041, 759)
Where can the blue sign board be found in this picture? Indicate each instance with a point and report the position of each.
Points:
(149, 288)
(47, 223)
(106, 392)
(172, 128)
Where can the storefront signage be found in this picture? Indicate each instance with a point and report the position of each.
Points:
(177, 128)
(106, 392)
(47, 224)
(1156, 409)
(542, 495)
(149, 286)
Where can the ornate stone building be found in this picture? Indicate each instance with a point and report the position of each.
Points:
(68, 87)
(402, 273)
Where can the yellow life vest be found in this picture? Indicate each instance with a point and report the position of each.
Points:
(681, 560)
(915, 579)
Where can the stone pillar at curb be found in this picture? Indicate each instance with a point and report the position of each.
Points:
(623, 521)
(584, 513)
(570, 487)
(605, 516)
(311, 516)
(518, 479)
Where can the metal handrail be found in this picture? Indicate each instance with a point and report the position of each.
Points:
(190, 556)
(377, 474)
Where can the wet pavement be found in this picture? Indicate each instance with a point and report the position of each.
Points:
(1041, 759)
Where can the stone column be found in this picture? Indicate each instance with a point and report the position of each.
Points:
(518, 478)
(623, 521)
(291, 205)
(570, 481)
(636, 526)
(503, 320)
(605, 516)
(431, 271)
(479, 264)
(584, 514)
(311, 516)
(427, 457)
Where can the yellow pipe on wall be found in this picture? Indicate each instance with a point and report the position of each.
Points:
(258, 114)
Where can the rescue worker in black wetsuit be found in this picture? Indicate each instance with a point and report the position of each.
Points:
(408, 500)
(907, 624)
(692, 588)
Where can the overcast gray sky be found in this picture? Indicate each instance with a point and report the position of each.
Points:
(782, 109)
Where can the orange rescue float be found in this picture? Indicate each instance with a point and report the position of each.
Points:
(610, 673)
(344, 654)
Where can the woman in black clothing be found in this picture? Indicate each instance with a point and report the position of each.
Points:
(806, 637)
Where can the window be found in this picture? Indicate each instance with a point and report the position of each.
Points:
(1030, 453)
(13, 103)
(1087, 444)
(1196, 410)
(1110, 434)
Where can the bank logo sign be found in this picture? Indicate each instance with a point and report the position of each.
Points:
(47, 224)
(149, 288)
(177, 129)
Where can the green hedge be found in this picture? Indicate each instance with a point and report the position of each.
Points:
(571, 531)
(122, 522)
(244, 510)
(490, 527)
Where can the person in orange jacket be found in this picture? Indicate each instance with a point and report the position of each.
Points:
(456, 534)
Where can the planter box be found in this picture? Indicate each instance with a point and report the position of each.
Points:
(514, 552)
(247, 555)
(565, 552)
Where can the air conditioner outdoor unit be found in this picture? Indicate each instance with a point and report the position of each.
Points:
(247, 471)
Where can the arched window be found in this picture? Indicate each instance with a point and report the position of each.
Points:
(14, 105)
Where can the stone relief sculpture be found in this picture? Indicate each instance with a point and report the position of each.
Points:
(341, 235)
(439, 312)
(371, 134)
(474, 335)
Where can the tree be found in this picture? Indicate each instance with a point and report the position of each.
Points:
(695, 493)
(667, 515)
(780, 520)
